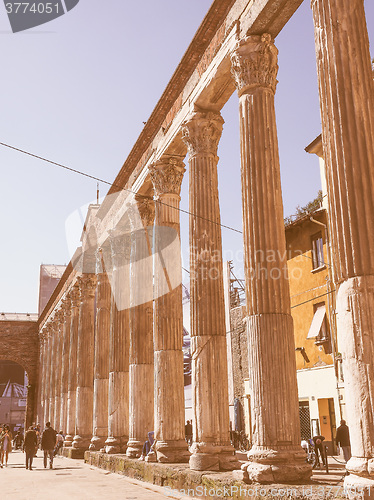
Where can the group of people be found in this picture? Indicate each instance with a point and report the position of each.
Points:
(342, 441)
(50, 442)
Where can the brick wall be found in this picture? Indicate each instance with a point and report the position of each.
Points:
(19, 343)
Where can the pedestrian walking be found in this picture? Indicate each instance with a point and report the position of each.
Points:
(49, 442)
(342, 439)
(59, 442)
(30, 444)
(5, 445)
(188, 432)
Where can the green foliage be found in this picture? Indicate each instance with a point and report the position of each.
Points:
(309, 208)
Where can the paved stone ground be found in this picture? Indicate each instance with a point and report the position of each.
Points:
(69, 480)
(73, 479)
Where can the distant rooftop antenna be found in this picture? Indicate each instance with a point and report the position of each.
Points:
(97, 194)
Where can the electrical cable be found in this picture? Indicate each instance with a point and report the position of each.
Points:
(115, 185)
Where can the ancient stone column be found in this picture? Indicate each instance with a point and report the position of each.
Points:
(101, 377)
(72, 379)
(45, 399)
(212, 449)
(52, 371)
(57, 375)
(65, 350)
(167, 175)
(85, 363)
(118, 417)
(141, 326)
(276, 455)
(346, 92)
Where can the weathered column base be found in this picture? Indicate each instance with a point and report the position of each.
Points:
(356, 486)
(141, 406)
(68, 441)
(83, 425)
(116, 444)
(211, 457)
(81, 442)
(100, 412)
(268, 466)
(172, 452)
(134, 448)
(63, 412)
(118, 413)
(98, 440)
(72, 398)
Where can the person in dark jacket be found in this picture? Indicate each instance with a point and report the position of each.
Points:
(48, 444)
(342, 440)
(29, 446)
(318, 446)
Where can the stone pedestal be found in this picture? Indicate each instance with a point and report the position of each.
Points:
(101, 382)
(72, 370)
(85, 363)
(141, 327)
(346, 92)
(276, 455)
(212, 449)
(167, 175)
(118, 417)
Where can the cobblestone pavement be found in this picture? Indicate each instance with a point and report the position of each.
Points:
(69, 480)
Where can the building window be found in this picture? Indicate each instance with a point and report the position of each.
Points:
(317, 251)
(304, 414)
(319, 328)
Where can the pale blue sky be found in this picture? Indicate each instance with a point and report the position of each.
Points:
(77, 90)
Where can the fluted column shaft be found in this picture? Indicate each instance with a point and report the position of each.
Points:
(101, 377)
(64, 382)
(43, 346)
(212, 449)
(85, 363)
(346, 92)
(167, 175)
(141, 396)
(57, 380)
(272, 366)
(52, 373)
(72, 378)
(118, 418)
(47, 381)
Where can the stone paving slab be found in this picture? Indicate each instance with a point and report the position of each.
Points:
(69, 480)
(178, 479)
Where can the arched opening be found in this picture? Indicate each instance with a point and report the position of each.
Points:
(14, 384)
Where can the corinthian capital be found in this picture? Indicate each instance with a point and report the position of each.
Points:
(254, 63)
(74, 296)
(202, 132)
(87, 286)
(146, 208)
(167, 175)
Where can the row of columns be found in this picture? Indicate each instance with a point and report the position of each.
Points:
(130, 379)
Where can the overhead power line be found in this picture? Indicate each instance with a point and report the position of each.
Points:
(113, 184)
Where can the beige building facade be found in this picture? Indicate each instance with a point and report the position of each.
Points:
(111, 359)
